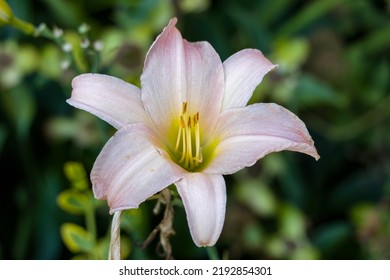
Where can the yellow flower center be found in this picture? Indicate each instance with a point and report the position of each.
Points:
(187, 148)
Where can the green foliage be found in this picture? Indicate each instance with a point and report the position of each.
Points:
(373, 227)
(258, 197)
(78, 200)
(20, 108)
(5, 13)
(283, 232)
(77, 176)
(73, 202)
(76, 238)
(290, 54)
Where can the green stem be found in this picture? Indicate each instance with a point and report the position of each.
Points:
(94, 61)
(115, 242)
(212, 253)
(90, 219)
(26, 27)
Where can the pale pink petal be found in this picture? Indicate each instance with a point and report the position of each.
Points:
(248, 134)
(205, 84)
(244, 71)
(162, 81)
(111, 99)
(131, 167)
(204, 198)
(177, 71)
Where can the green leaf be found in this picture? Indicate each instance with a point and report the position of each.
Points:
(312, 11)
(305, 251)
(310, 91)
(290, 53)
(257, 196)
(275, 246)
(329, 238)
(20, 107)
(101, 250)
(76, 174)
(5, 13)
(78, 53)
(292, 223)
(253, 236)
(51, 58)
(271, 10)
(189, 6)
(375, 42)
(72, 202)
(125, 247)
(134, 221)
(76, 238)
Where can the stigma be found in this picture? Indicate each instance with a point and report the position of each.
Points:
(187, 148)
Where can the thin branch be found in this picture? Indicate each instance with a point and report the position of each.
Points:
(165, 227)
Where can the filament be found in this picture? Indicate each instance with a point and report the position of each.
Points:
(187, 147)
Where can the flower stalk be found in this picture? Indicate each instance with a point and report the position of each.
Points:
(115, 242)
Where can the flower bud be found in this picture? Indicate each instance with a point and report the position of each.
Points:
(5, 13)
(67, 47)
(98, 46)
(8, 18)
(57, 32)
(84, 28)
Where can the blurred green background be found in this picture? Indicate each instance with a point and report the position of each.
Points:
(334, 73)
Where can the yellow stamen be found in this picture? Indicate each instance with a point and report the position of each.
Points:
(188, 139)
(188, 161)
(178, 135)
(184, 143)
(197, 137)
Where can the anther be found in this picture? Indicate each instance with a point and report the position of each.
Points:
(184, 108)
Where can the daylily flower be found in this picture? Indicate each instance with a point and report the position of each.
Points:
(188, 125)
